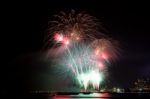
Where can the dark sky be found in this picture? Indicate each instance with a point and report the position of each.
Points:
(26, 23)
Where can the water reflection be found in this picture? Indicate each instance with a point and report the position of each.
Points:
(84, 96)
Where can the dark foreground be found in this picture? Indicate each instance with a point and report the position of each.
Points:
(80, 96)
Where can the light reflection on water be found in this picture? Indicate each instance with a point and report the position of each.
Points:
(84, 96)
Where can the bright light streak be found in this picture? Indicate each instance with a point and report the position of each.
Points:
(93, 77)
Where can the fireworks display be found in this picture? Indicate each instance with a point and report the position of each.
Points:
(81, 48)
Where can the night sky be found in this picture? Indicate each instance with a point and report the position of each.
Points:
(127, 22)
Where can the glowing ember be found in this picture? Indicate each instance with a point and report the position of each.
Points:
(58, 37)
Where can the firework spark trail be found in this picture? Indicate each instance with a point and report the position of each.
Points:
(83, 64)
(87, 50)
(76, 68)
